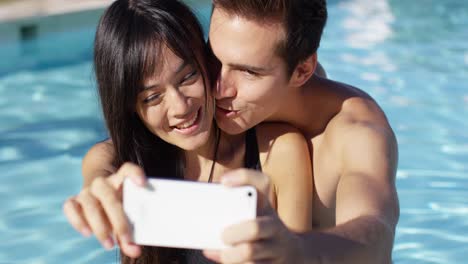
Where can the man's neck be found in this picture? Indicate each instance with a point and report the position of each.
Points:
(310, 107)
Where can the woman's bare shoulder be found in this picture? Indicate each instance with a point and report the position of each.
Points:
(98, 161)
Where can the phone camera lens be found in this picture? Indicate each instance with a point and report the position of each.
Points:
(249, 194)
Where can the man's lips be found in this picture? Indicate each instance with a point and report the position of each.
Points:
(226, 112)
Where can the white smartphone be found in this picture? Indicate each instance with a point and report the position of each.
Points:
(183, 214)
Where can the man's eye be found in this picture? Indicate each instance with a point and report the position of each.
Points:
(249, 72)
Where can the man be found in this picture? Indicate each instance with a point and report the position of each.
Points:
(267, 51)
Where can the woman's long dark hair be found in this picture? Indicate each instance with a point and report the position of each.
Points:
(128, 50)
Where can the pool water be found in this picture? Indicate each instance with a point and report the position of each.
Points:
(411, 56)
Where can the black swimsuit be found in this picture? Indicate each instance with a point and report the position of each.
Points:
(252, 157)
(251, 161)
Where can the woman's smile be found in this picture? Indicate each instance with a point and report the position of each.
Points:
(191, 125)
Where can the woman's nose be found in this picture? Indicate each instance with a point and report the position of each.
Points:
(178, 104)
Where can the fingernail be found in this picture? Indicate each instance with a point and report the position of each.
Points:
(86, 232)
(108, 244)
(141, 181)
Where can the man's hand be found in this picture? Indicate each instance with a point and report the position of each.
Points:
(98, 209)
(263, 240)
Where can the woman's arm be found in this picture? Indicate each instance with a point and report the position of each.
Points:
(98, 162)
(285, 157)
(97, 208)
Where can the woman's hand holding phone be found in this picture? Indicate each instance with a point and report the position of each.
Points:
(98, 209)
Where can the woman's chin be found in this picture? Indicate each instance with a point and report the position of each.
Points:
(194, 143)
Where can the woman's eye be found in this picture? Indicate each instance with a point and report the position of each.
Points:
(189, 76)
(151, 98)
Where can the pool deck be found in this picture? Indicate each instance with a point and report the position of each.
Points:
(14, 10)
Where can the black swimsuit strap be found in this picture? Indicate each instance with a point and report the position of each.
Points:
(252, 156)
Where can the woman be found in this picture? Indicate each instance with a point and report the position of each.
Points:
(155, 90)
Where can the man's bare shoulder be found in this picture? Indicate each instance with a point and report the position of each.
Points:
(360, 123)
(358, 111)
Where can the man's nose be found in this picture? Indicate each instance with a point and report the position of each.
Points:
(225, 86)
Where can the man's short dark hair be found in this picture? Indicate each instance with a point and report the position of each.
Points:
(303, 22)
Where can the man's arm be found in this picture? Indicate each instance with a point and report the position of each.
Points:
(367, 212)
(367, 208)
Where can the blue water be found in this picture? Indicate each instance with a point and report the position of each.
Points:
(411, 56)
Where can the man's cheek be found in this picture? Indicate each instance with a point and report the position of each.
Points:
(258, 93)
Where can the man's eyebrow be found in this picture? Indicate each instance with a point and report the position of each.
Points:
(248, 67)
(179, 69)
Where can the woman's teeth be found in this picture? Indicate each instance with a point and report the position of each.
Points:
(188, 123)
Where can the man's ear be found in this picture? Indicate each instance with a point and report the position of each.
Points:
(304, 70)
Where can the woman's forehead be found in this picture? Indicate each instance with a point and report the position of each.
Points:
(165, 66)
